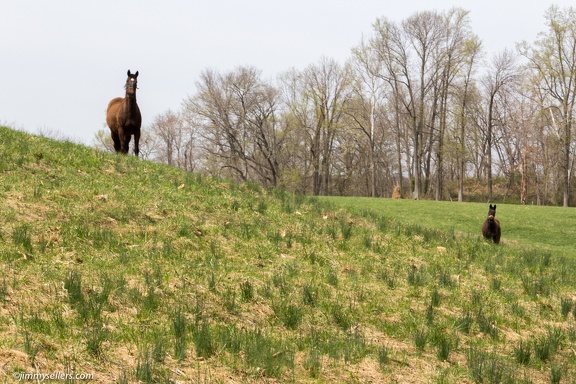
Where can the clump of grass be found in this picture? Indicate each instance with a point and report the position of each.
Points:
(444, 347)
(384, 353)
(566, 305)
(266, 355)
(546, 345)
(204, 340)
(346, 229)
(464, 323)
(246, 290)
(420, 337)
(262, 207)
(542, 348)
(215, 249)
(445, 343)
(98, 298)
(230, 303)
(535, 286)
(96, 335)
(312, 257)
(313, 363)
(310, 295)
(429, 314)
(355, 347)
(180, 329)
(445, 278)
(435, 297)
(22, 237)
(341, 316)
(487, 325)
(212, 281)
(332, 278)
(388, 277)
(30, 347)
(159, 346)
(231, 339)
(145, 367)
(36, 323)
(3, 290)
(367, 241)
(487, 367)
(280, 281)
(557, 373)
(523, 352)
(73, 285)
(289, 314)
(123, 378)
(496, 284)
(416, 276)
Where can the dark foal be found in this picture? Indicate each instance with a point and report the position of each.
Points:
(491, 227)
(123, 117)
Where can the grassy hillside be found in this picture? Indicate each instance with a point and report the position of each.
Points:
(138, 272)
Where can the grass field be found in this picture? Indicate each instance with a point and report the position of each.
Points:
(137, 272)
(547, 228)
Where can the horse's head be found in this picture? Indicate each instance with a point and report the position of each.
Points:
(131, 83)
(492, 212)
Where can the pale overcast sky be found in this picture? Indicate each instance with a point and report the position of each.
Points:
(61, 61)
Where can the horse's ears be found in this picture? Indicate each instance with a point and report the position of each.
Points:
(136, 74)
(128, 73)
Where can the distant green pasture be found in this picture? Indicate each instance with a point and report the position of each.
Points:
(551, 228)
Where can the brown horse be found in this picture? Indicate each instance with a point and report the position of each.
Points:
(123, 117)
(491, 227)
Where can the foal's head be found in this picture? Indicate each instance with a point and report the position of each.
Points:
(492, 212)
(131, 83)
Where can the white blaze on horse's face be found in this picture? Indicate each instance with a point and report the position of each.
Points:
(131, 85)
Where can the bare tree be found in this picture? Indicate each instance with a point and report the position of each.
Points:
(315, 100)
(501, 76)
(552, 61)
(457, 61)
(175, 140)
(236, 118)
(369, 88)
(168, 129)
(471, 51)
(420, 58)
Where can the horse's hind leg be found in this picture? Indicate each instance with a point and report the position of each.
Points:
(496, 237)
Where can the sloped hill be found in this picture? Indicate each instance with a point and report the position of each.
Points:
(137, 272)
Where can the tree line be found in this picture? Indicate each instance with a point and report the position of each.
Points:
(418, 107)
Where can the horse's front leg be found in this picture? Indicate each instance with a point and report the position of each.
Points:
(126, 142)
(136, 142)
(117, 141)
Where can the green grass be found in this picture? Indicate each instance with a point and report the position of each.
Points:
(139, 272)
(546, 228)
